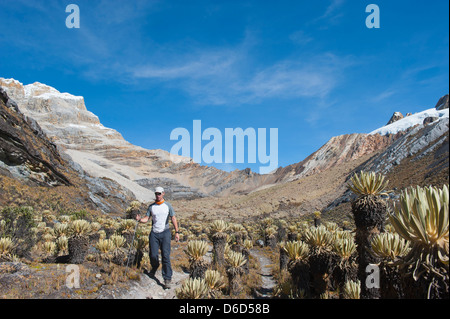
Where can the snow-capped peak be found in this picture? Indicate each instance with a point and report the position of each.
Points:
(44, 91)
(411, 120)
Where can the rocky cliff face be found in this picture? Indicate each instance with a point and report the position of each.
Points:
(25, 151)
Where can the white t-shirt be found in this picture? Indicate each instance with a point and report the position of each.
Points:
(160, 216)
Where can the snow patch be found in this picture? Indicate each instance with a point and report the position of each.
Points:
(410, 121)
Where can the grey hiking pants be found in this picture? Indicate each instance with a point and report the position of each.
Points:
(161, 241)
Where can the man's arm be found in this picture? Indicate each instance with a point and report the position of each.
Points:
(175, 225)
(144, 219)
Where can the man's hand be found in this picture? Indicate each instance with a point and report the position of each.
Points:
(138, 217)
(177, 237)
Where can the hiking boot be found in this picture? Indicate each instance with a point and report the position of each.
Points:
(167, 283)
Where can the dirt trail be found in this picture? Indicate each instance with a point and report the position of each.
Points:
(151, 288)
(268, 283)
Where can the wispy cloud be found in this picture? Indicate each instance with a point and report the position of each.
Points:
(300, 37)
(332, 14)
(221, 77)
(383, 95)
(188, 66)
(331, 9)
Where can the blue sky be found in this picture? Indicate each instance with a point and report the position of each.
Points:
(312, 69)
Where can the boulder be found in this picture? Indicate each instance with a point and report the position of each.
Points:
(430, 119)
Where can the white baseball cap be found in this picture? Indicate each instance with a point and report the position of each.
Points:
(159, 190)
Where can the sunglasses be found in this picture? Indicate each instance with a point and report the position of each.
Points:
(157, 193)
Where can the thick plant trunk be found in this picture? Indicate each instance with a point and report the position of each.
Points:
(138, 258)
(390, 283)
(284, 259)
(271, 241)
(198, 269)
(119, 257)
(234, 281)
(246, 253)
(292, 237)
(370, 215)
(219, 243)
(78, 248)
(320, 263)
(299, 271)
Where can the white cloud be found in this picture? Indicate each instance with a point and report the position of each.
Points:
(383, 95)
(331, 9)
(223, 77)
(332, 15)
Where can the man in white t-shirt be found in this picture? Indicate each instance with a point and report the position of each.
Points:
(159, 239)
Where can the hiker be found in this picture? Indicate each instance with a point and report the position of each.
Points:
(159, 239)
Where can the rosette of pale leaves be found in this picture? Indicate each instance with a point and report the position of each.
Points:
(61, 229)
(344, 247)
(6, 246)
(214, 279)
(117, 241)
(352, 289)
(127, 226)
(217, 230)
(332, 227)
(270, 231)
(368, 183)
(49, 247)
(196, 249)
(235, 259)
(296, 250)
(343, 234)
(193, 289)
(141, 242)
(422, 218)
(389, 246)
(248, 244)
(319, 237)
(104, 245)
(62, 243)
(218, 226)
(79, 227)
(134, 205)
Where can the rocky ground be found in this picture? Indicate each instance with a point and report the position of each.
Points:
(52, 281)
(49, 281)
